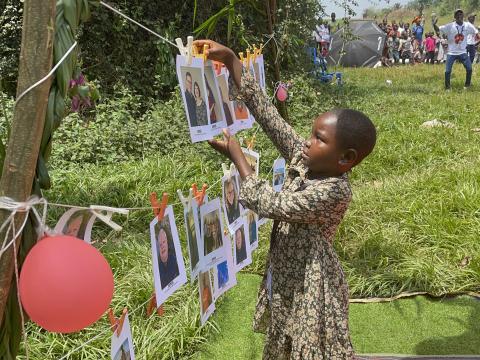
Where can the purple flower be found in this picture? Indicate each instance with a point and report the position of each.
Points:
(75, 103)
(80, 80)
(71, 83)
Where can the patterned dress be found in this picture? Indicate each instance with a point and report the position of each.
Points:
(303, 299)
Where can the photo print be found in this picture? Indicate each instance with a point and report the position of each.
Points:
(168, 267)
(243, 119)
(222, 81)
(230, 201)
(224, 273)
(252, 225)
(77, 223)
(192, 227)
(241, 247)
(207, 304)
(259, 69)
(195, 99)
(214, 98)
(278, 174)
(122, 345)
(253, 159)
(212, 233)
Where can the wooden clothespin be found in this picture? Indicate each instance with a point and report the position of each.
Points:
(117, 324)
(228, 171)
(159, 209)
(260, 49)
(152, 304)
(250, 143)
(203, 53)
(199, 195)
(186, 201)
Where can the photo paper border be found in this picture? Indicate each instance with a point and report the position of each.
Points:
(216, 256)
(117, 341)
(232, 278)
(196, 214)
(277, 164)
(163, 294)
(248, 259)
(222, 123)
(255, 155)
(254, 245)
(237, 222)
(67, 215)
(211, 309)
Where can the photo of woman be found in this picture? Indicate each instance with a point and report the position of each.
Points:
(77, 224)
(213, 234)
(192, 238)
(167, 259)
(240, 246)
(252, 228)
(205, 290)
(230, 199)
(211, 103)
(200, 107)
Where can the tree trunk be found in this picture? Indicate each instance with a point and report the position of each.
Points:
(271, 6)
(28, 121)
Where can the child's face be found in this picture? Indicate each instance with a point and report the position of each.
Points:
(320, 153)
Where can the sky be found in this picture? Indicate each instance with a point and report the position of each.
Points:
(362, 5)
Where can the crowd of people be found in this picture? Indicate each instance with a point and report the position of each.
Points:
(410, 43)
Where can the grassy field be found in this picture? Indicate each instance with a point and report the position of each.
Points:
(413, 219)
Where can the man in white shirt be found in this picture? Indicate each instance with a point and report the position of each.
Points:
(457, 33)
(471, 40)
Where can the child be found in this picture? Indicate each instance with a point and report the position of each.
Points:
(303, 299)
(430, 45)
(406, 49)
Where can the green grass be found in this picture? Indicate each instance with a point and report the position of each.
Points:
(418, 325)
(413, 218)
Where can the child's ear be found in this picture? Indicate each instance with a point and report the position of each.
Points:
(348, 159)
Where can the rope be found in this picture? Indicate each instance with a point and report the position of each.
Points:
(48, 75)
(137, 23)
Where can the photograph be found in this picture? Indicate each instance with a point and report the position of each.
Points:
(253, 159)
(278, 174)
(224, 273)
(231, 205)
(122, 345)
(259, 68)
(168, 265)
(212, 233)
(192, 229)
(77, 223)
(242, 251)
(240, 110)
(207, 304)
(222, 81)
(193, 88)
(214, 98)
(252, 222)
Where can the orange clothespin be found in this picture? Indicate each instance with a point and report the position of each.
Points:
(159, 209)
(117, 324)
(152, 304)
(248, 57)
(199, 195)
(242, 59)
(251, 143)
(260, 49)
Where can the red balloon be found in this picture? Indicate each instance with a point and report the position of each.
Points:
(282, 93)
(65, 284)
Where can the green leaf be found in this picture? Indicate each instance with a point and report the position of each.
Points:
(83, 90)
(194, 13)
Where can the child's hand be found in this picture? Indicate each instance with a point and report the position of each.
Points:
(228, 147)
(216, 51)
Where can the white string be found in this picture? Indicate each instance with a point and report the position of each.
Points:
(48, 75)
(137, 23)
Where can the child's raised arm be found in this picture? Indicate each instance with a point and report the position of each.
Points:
(245, 88)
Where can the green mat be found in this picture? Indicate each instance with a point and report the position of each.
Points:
(418, 325)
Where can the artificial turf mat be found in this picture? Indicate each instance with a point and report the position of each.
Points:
(416, 326)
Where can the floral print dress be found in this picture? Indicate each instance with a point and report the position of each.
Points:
(303, 299)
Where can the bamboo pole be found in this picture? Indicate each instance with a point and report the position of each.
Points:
(36, 56)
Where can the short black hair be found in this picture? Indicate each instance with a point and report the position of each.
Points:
(356, 131)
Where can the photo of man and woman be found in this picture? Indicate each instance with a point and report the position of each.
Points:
(231, 206)
(194, 96)
(207, 305)
(243, 256)
(168, 265)
(77, 223)
(121, 346)
(212, 233)
(192, 227)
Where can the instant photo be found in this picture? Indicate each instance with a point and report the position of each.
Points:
(227, 105)
(77, 223)
(243, 120)
(259, 69)
(193, 87)
(230, 202)
(253, 159)
(224, 272)
(207, 304)
(168, 267)
(214, 98)
(252, 226)
(278, 174)
(241, 248)
(122, 345)
(192, 227)
(212, 233)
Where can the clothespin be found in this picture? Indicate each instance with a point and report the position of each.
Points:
(159, 209)
(186, 201)
(228, 171)
(251, 143)
(255, 52)
(242, 59)
(248, 57)
(105, 213)
(117, 324)
(186, 51)
(203, 54)
(260, 49)
(199, 195)
(152, 304)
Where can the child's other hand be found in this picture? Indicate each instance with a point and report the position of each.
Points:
(228, 147)
(216, 51)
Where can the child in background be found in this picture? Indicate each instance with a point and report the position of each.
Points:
(405, 48)
(430, 46)
(303, 299)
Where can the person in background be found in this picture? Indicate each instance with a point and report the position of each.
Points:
(430, 46)
(401, 28)
(417, 30)
(407, 29)
(405, 49)
(393, 44)
(471, 40)
(457, 32)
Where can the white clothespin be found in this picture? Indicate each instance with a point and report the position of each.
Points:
(228, 171)
(105, 214)
(186, 51)
(186, 201)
